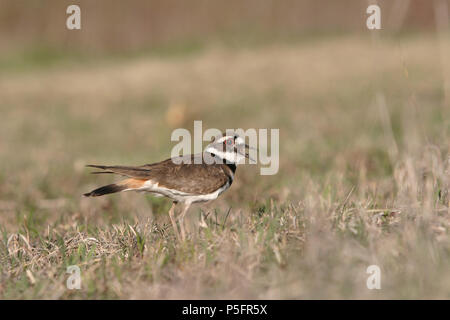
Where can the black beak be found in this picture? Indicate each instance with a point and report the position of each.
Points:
(246, 154)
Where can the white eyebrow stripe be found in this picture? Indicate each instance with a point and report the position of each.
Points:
(238, 140)
(223, 139)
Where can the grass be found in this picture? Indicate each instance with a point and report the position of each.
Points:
(363, 180)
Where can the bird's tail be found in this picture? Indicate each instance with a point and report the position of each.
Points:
(127, 184)
(110, 188)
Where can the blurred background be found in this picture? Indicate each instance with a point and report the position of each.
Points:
(358, 109)
(116, 26)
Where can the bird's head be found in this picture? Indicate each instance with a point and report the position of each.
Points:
(230, 148)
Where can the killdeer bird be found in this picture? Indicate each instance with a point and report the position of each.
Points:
(185, 179)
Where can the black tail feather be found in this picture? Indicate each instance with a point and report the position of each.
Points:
(101, 172)
(110, 188)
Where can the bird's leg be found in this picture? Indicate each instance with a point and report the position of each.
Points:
(172, 219)
(185, 210)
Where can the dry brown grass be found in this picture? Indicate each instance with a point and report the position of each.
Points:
(362, 180)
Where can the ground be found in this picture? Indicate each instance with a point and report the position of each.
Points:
(363, 179)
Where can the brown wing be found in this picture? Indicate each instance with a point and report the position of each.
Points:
(189, 178)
